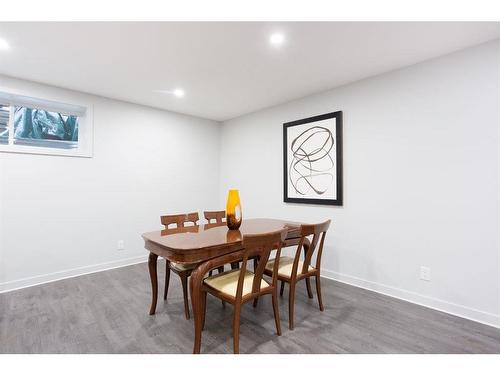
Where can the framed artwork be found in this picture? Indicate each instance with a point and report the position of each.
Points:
(312, 160)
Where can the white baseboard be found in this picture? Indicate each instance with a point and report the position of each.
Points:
(433, 303)
(55, 276)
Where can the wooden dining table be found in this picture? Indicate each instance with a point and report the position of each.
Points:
(209, 246)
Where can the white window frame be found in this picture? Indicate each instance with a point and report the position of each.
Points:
(85, 123)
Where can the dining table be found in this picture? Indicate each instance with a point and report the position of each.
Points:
(209, 246)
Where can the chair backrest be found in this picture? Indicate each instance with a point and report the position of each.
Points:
(218, 216)
(318, 233)
(180, 219)
(260, 245)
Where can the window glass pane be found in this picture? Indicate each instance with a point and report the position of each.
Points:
(36, 127)
(4, 123)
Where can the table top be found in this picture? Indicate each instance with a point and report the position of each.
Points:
(195, 243)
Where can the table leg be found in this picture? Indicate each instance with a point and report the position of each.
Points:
(152, 260)
(195, 284)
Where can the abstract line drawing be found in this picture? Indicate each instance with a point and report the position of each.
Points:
(312, 160)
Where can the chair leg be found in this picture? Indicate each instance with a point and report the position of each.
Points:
(309, 290)
(318, 290)
(203, 309)
(291, 305)
(235, 265)
(276, 313)
(220, 270)
(167, 280)
(255, 264)
(210, 273)
(236, 328)
(282, 288)
(184, 279)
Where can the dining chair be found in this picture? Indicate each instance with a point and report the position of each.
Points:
(182, 270)
(239, 286)
(291, 269)
(218, 216)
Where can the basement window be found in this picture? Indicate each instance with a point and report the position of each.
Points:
(38, 126)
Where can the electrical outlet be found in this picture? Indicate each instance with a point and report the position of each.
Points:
(425, 273)
(120, 245)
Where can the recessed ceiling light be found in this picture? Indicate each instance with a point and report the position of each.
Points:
(276, 39)
(179, 93)
(3, 45)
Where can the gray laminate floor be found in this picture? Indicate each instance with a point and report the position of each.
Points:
(107, 312)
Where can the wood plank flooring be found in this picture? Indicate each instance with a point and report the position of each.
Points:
(107, 312)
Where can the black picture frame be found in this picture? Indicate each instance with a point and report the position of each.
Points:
(339, 167)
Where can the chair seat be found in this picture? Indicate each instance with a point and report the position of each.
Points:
(285, 266)
(227, 282)
(182, 266)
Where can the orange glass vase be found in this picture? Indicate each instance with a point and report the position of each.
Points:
(233, 210)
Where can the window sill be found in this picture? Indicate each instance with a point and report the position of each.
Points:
(20, 149)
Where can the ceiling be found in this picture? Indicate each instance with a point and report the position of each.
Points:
(225, 69)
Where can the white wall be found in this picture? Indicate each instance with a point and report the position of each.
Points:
(421, 182)
(61, 216)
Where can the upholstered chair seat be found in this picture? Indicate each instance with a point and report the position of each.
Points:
(227, 282)
(182, 266)
(285, 266)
